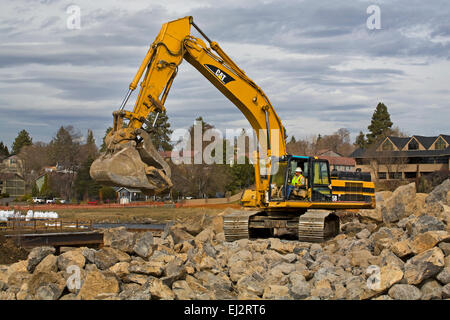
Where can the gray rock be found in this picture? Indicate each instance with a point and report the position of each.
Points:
(300, 290)
(48, 292)
(400, 204)
(119, 238)
(404, 292)
(423, 224)
(353, 227)
(431, 290)
(36, 255)
(250, 285)
(424, 266)
(444, 276)
(135, 295)
(445, 247)
(439, 193)
(314, 250)
(143, 244)
(363, 234)
(182, 291)
(173, 271)
(89, 254)
(104, 259)
(446, 291)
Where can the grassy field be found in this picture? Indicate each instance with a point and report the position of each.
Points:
(141, 214)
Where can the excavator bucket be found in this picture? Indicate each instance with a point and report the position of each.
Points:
(132, 165)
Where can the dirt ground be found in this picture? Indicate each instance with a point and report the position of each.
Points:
(10, 253)
(134, 215)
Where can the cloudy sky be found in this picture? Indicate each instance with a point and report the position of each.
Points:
(318, 62)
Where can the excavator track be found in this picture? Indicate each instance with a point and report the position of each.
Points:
(317, 226)
(236, 225)
(312, 226)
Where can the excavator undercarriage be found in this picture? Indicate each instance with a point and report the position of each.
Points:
(311, 226)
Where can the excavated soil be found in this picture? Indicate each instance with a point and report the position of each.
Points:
(10, 253)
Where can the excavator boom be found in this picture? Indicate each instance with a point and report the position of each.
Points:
(131, 159)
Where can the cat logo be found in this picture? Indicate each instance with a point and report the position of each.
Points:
(221, 75)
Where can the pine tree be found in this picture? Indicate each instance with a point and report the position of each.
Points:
(4, 152)
(103, 146)
(46, 191)
(35, 190)
(360, 141)
(90, 137)
(380, 125)
(22, 139)
(160, 132)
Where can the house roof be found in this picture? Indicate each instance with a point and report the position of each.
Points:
(399, 142)
(339, 161)
(426, 141)
(362, 153)
(118, 189)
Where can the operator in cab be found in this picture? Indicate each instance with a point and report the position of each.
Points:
(297, 181)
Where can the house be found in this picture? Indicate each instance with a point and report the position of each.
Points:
(12, 164)
(405, 157)
(127, 195)
(12, 183)
(337, 161)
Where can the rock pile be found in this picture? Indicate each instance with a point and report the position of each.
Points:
(401, 250)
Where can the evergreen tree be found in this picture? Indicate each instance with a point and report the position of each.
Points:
(4, 152)
(46, 191)
(360, 141)
(35, 190)
(64, 149)
(103, 146)
(161, 132)
(22, 139)
(85, 186)
(90, 138)
(292, 140)
(241, 176)
(380, 125)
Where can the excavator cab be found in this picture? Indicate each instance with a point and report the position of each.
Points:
(316, 173)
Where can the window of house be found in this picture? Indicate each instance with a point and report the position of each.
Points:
(387, 146)
(395, 175)
(381, 175)
(440, 144)
(413, 145)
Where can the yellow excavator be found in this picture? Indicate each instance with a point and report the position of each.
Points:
(131, 160)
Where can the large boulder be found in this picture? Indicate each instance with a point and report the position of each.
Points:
(401, 204)
(36, 255)
(276, 292)
(96, 284)
(46, 285)
(158, 289)
(431, 290)
(69, 258)
(143, 244)
(439, 193)
(48, 264)
(405, 292)
(428, 240)
(182, 291)
(119, 238)
(424, 266)
(423, 224)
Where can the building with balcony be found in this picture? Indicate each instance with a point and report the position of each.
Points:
(405, 157)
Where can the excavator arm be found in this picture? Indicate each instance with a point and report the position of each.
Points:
(131, 159)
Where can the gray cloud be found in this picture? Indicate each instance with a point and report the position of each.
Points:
(315, 61)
